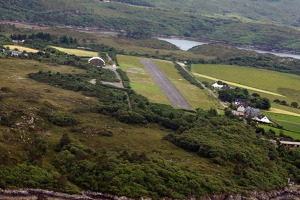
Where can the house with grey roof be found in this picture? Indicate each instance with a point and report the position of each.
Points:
(252, 112)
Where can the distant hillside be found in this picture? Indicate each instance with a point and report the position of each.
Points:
(145, 20)
(233, 56)
(281, 11)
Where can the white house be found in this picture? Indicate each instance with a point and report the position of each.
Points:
(217, 86)
(263, 119)
(241, 109)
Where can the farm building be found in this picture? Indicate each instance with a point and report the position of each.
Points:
(290, 144)
(217, 86)
(253, 112)
(262, 119)
(14, 53)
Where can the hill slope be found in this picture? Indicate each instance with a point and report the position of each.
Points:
(59, 132)
(279, 11)
(144, 21)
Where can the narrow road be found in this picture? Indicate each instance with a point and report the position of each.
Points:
(172, 93)
(207, 89)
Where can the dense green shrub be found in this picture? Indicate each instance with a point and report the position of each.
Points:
(63, 119)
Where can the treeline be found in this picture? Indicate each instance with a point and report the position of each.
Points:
(283, 102)
(187, 76)
(124, 77)
(253, 101)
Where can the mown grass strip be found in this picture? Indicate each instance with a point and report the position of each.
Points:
(238, 85)
(77, 52)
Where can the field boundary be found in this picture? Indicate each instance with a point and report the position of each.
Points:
(238, 85)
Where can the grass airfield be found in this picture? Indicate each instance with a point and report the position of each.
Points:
(142, 82)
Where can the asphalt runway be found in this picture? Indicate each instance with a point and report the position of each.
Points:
(172, 93)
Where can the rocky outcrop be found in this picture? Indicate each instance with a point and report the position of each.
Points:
(28, 194)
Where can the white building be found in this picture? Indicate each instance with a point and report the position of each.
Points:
(263, 119)
(217, 86)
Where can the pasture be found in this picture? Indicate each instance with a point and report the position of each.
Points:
(77, 52)
(21, 48)
(270, 84)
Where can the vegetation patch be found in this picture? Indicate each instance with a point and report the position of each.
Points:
(21, 48)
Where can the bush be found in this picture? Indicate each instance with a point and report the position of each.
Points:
(107, 133)
(64, 119)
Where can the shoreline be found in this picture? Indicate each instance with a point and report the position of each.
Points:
(28, 194)
(239, 46)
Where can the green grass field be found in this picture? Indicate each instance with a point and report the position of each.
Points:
(294, 135)
(290, 123)
(270, 84)
(77, 52)
(140, 80)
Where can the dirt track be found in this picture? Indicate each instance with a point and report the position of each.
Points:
(172, 93)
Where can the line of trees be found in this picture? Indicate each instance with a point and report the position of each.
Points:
(283, 102)
(238, 93)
